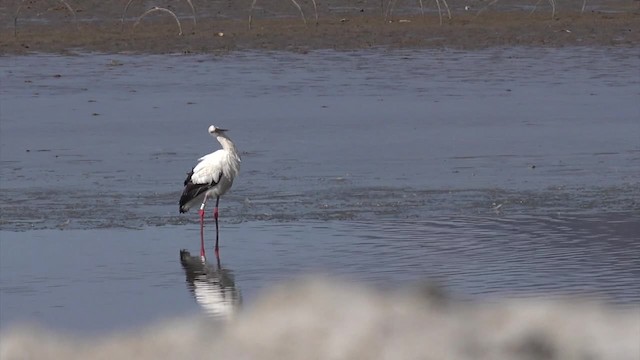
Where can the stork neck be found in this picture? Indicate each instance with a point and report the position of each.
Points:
(227, 144)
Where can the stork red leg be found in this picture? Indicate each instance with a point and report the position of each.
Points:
(215, 216)
(201, 213)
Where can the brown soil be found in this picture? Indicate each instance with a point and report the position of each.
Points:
(47, 26)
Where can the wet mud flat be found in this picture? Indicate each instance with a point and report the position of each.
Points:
(483, 133)
(219, 27)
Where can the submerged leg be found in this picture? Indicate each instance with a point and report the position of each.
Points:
(215, 216)
(201, 212)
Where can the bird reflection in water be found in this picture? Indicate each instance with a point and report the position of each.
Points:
(213, 286)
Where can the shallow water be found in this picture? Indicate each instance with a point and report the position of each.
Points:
(497, 172)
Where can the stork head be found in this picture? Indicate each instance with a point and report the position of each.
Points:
(213, 130)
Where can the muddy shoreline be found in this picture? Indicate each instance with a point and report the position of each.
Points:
(98, 28)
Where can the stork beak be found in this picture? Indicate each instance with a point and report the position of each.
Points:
(215, 130)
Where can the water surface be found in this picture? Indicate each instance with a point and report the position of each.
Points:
(497, 172)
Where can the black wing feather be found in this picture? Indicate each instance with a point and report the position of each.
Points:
(191, 190)
(189, 174)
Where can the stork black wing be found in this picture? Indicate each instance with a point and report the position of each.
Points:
(189, 174)
(192, 191)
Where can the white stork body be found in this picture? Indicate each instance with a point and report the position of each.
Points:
(212, 176)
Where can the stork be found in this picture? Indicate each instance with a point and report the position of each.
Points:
(212, 176)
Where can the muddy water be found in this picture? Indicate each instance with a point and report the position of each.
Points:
(497, 172)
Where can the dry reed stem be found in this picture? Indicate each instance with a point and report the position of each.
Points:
(392, 3)
(315, 10)
(446, 7)
(126, 7)
(486, 7)
(154, 9)
(551, 2)
(15, 18)
(553, 7)
(439, 11)
(304, 19)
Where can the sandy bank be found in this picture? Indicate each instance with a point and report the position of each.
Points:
(222, 28)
